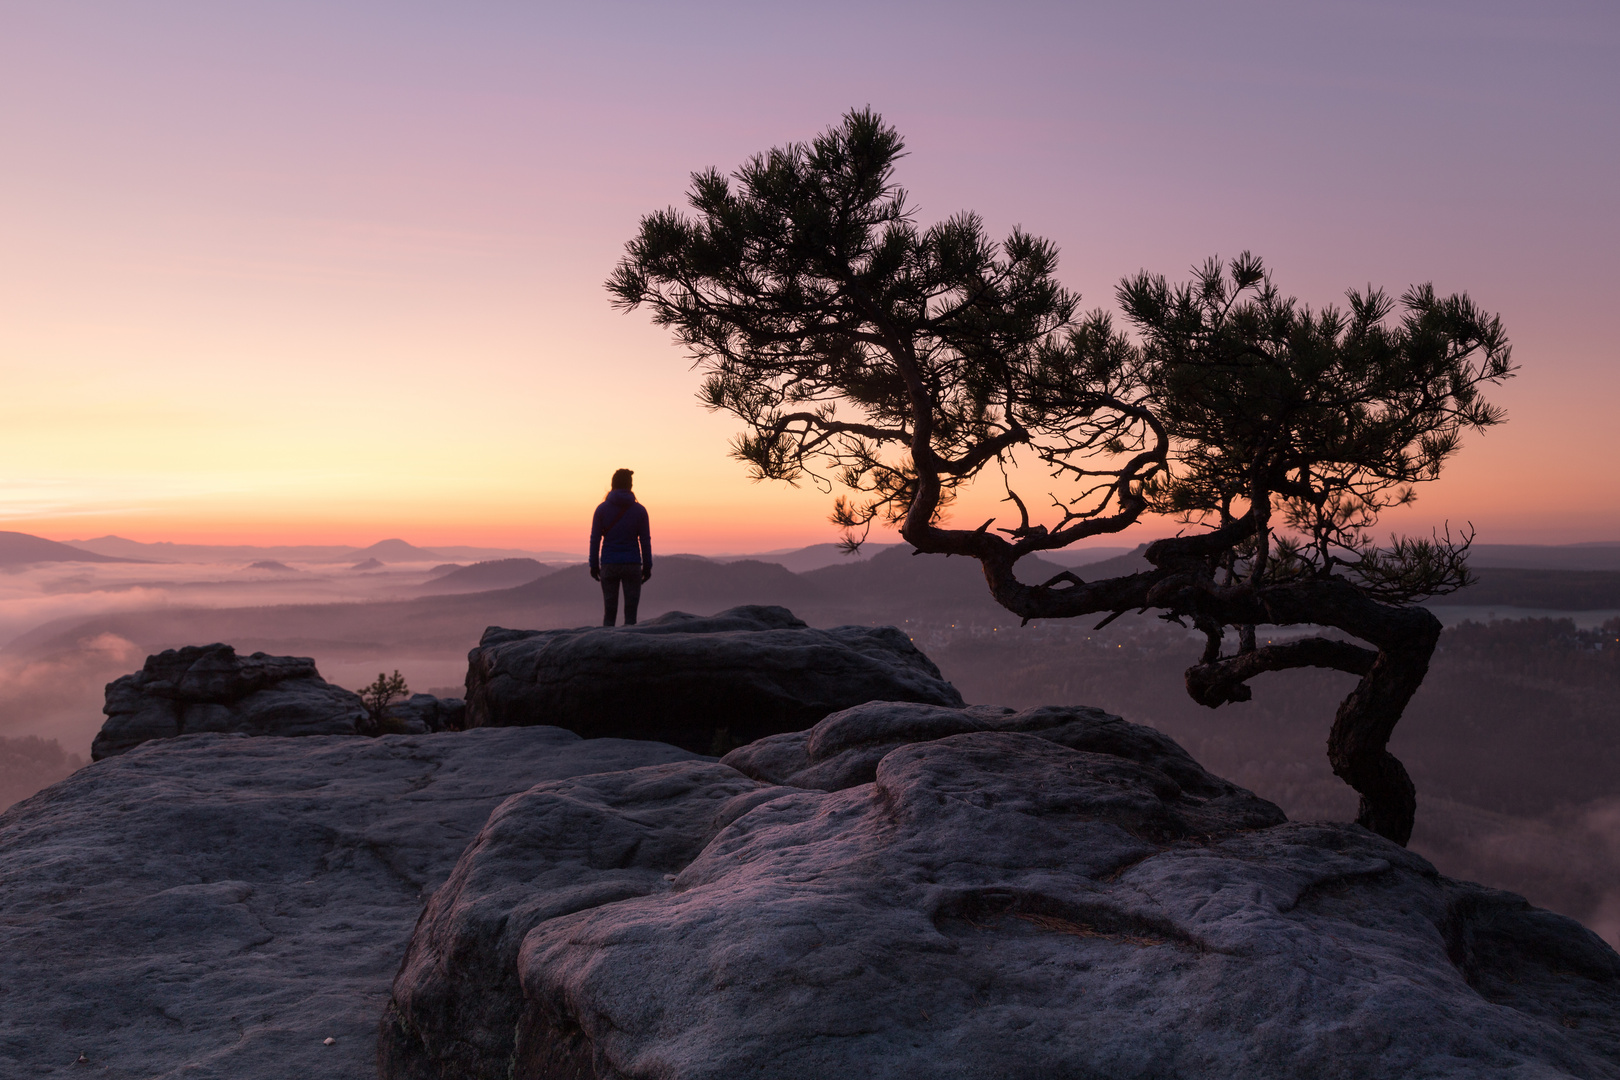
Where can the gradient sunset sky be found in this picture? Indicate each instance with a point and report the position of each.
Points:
(329, 272)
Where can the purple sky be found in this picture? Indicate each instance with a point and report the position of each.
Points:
(310, 269)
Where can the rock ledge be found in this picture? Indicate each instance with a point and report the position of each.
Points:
(705, 684)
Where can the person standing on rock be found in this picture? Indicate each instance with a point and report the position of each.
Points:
(621, 549)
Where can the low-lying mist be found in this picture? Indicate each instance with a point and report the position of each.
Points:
(1513, 740)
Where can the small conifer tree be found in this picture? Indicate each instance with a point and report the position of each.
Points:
(378, 696)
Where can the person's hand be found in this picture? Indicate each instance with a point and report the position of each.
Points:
(646, 572)
(596, 575)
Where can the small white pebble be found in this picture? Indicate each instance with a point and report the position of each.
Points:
(329, 1041)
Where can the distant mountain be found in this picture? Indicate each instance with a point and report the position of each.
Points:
(814, 557)
(165, 551)
(923, 586)
(462, 553)
(20, 549)
(1086, 556)
(1556, 590)
(1601, 556)
(1131, 562)
(272, 566)
(397, 551)
(679, 582)
(368, 564)
(443, 569)
(484, 576)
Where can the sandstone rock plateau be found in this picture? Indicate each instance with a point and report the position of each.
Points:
(908, 888)
(702, 683)
(216, 906)
(915, 891)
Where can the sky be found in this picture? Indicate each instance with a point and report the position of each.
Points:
(326, 273)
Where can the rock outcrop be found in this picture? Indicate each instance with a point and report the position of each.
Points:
(706, 684)
(422, 713)
(208, 688)
(973, 893)
(217, 907)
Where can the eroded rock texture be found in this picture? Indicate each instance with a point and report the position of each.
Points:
(703, 683)
(216, 906)
(973, 893)
(208, 688)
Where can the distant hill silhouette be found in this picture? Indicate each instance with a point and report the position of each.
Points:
(1118, 566)
(368, 564)
(1602, 556)
(813, 557)
(679, 582)
(923, 586)
(20, 549)
(1558, 590)
(484, 576)
(164, 551)
(396, 551)
(816, 556)
(167, 551)
(273, 566)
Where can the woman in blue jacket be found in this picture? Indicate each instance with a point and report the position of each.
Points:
(621, 549)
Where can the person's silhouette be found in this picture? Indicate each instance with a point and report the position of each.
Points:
(621, 549)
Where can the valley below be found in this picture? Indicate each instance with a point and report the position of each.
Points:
(1513, 740)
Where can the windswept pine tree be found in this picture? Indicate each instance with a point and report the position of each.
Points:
(862, 350)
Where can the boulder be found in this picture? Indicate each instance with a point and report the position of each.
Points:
(703, 683)
(845, 748)
(1019, 895)
(220, 907)
(208, 688)
(422, 713)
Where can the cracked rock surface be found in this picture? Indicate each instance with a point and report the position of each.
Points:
(909, 891)
(215, 906)
(706, 683)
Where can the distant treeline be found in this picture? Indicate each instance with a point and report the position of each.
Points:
(1558, 590)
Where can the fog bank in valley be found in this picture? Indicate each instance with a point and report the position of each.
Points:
(1514, 739)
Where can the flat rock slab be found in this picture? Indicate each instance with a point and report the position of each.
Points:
(703, 683)
(1046, 894)
(215, 906)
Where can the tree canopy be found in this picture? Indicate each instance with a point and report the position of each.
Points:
(900, 363)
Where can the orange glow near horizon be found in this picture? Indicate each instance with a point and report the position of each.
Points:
(283, 274)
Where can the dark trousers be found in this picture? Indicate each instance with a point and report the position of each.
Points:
(614, 574)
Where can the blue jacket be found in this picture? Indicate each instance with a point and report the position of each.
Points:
(618, 544)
